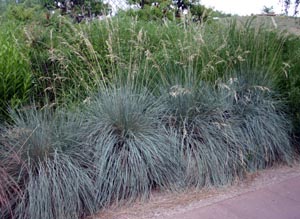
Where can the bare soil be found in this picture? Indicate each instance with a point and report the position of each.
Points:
(163, 204)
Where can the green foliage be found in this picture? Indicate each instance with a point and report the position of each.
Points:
(163, 11)
(64, 63)
(97, 7)
(253, 47)
(274, 54)
(152, 13)
(100, 52)
(289, 82)
(23, 12)
(200, 12)
(15, 74)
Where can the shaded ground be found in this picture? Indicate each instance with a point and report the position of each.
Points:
(185, 204)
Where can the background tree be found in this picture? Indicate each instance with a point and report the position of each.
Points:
(287, 5)
(297, 2)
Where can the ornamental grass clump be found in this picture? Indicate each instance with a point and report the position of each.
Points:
(52, 171)
(259, 122)
(133, 153)
(10, 191)
(207, 146)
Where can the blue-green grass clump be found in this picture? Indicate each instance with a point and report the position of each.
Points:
(53, 171)
(132, 151)
(208, 150)
(259, 121)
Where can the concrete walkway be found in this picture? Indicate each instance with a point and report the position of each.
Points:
(273, 193)
(275, 201)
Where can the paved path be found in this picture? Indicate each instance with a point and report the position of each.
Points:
(273, 193)
(275, 201)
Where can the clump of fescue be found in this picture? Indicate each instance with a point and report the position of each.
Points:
(10, 191)
(224, 129)
(208, 149)
(58, 188)
(133, 153)
(258, 119)
(52, 170)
